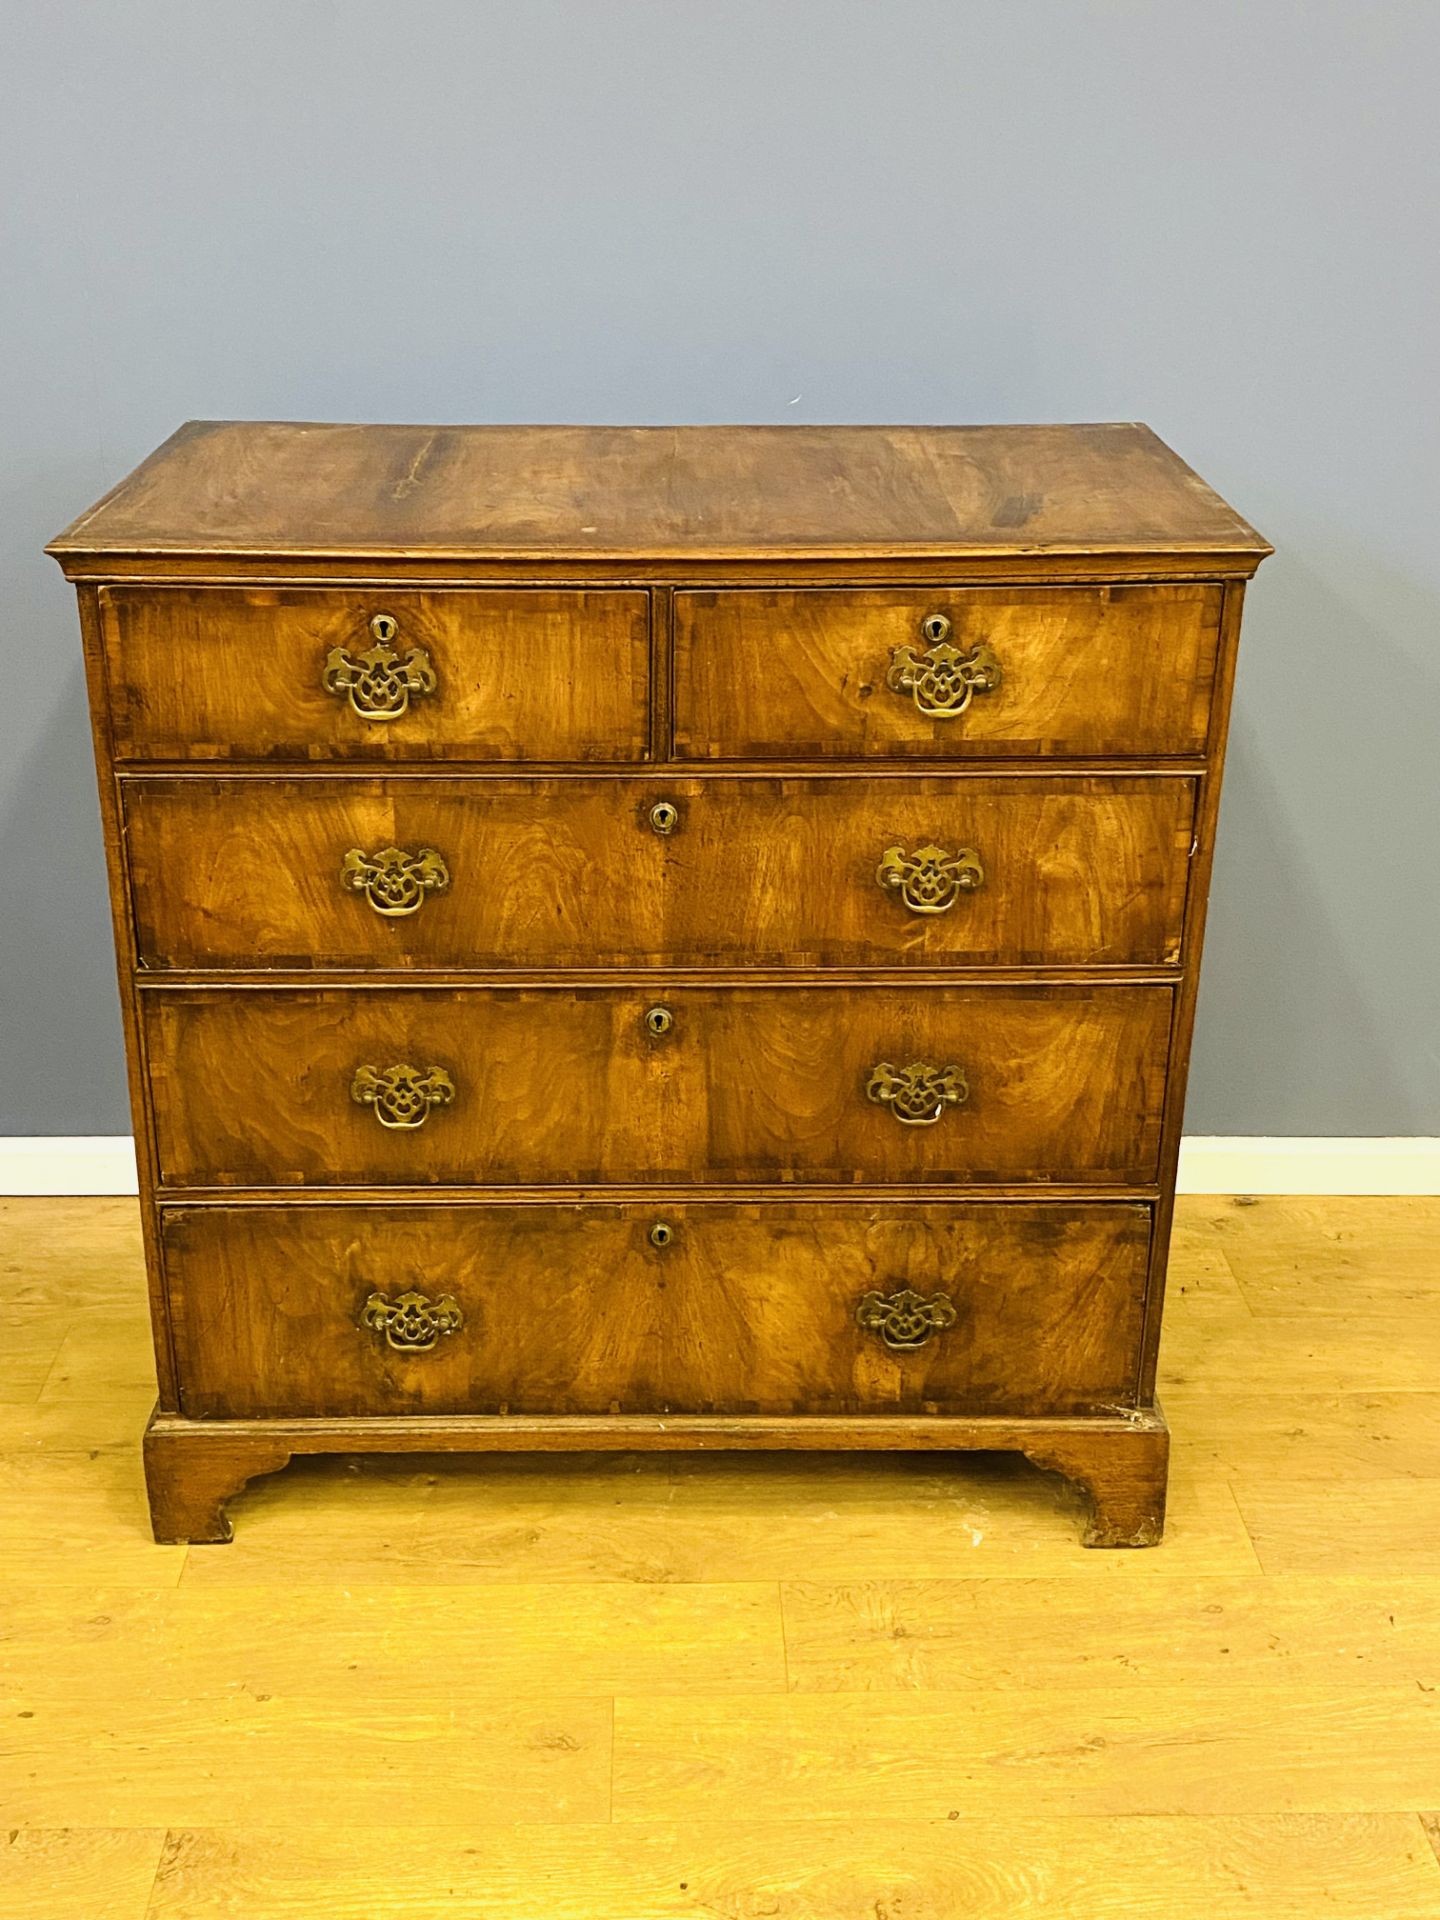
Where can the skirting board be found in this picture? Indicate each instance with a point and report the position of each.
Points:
(105, 1164)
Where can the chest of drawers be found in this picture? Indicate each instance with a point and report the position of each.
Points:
(658, 937)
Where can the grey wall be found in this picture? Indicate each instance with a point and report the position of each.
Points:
(1214, 215)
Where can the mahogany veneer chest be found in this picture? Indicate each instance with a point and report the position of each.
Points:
(658, 937)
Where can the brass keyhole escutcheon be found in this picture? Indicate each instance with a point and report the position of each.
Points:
(659, 1020)
(943, 679)
(664, 816)
(661, 1234)
(379, 683)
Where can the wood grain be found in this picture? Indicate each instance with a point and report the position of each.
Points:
(1319, 1435)
(245, 874)
(731, 1863)
(251, 490)
(325, 1645)
(747, 1310)
(955, 1635)
(951, 1586)
(113, 1352)
(31, 1350)
(212, 674)
(102, 1873)
(802, 675)
(1375, 1356)
(1068, 1750)
(1117, 1459)
(590, 598)
(1310, 1256)
(77, 1253)
(263, 1761)
(1355, 1523)
(104, 1422)
(69, 1518)
(117, 876)
(462, 1522)
(555, 1085)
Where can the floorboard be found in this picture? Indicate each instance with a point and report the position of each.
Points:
(648, 1688)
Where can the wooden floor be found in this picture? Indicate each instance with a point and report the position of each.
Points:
(640, 1688)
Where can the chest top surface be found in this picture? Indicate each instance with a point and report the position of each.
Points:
(232, 491)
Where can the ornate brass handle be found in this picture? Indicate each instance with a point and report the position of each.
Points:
(380, 681)
(930, 880)
(393, 881)
(905, 1320)
(402, 1096)
(414, 1323)
(917, 1095)
(943, 679)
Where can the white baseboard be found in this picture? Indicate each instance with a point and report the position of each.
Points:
(104, 1164)
(1317, 1164)
(94, 1163)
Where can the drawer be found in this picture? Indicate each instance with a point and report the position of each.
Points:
(819, 871)
(945, 672)
(771, 1308)
(482, 674)
(650, 1085)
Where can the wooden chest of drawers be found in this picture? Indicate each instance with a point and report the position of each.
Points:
(658, 937)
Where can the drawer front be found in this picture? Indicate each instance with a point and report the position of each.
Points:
(939, 673)
(773, 1308)
(245, 874)
(484, 674)
(647, 1085)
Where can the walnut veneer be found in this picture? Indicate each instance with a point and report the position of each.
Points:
(658, 937)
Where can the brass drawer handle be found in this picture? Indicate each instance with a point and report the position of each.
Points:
(905, 1320)
(402, 1096)
(917, 1095)
(414, 1323)
(393, 881)
(942, 680)
(380, 681)
(930, 880)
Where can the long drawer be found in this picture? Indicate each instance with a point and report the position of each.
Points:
(248, 873)
(944, 672)
(679, 1308)
(654, 1086)
(215, 674)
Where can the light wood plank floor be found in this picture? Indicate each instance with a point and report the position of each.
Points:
(666, 1689)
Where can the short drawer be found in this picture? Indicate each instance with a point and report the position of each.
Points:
(646, 1085)
(945, 672)
(479, 674)
(820, 871)
(673, 1307)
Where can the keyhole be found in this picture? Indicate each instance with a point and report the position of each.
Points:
(664, 816)
(659, 1020)
(384, 626)
(661, 1234)
(935, 627)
